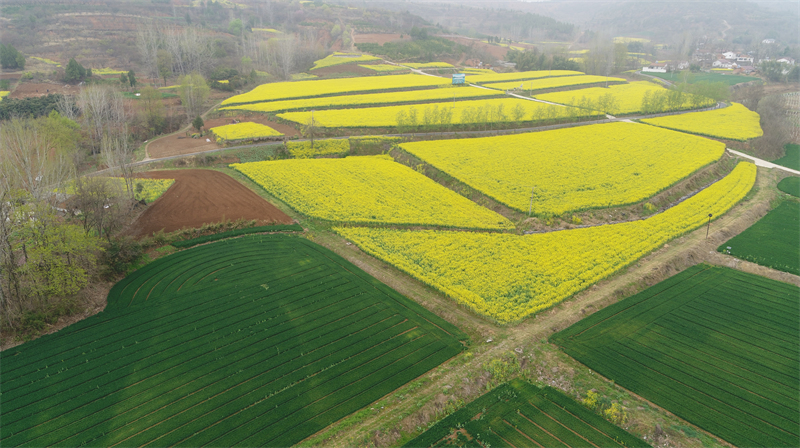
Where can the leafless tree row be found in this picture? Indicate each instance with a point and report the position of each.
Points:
(189, 49)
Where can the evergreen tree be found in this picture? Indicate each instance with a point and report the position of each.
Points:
(132, 78)
(197, 123)
(74, 71)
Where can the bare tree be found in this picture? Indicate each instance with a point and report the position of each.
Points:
(285, 59)
(147, 42)
(103, 113)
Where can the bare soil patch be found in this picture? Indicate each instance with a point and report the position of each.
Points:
(380, 38)
(201, 197)
(34, 89)
(180, 143)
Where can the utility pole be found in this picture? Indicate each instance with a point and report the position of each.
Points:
(709, 224)
(530, 207)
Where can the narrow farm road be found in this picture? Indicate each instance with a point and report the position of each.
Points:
(764, 163)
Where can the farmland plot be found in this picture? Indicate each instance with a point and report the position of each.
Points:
(508, 277)
(257, 341)
(368, 190)
(372, 99)
(552, 83)
(717, 347)
(519, 414)
(572, 169)
(625, 98)
(486, 112)
(328, 87)
(734, 122)
(342, 58)
(773, 241)
(489, 76)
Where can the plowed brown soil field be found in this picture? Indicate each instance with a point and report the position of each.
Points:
(201, 197)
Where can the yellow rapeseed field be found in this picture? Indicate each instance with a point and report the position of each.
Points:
(584, 167)
(551, 83)
(383, 67)
(244, 131)
(509, 277)
(368, 190)
(304, 150)
(734, 122)
(459, 112)
(517, 76)
(311, 88)
(625, 98)
(342, 58)
(368, 99)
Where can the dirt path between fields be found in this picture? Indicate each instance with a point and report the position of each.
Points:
(467, 381)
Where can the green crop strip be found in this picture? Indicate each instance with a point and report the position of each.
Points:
(773, 241)
(717, 347)
(260, 341)
(518, 413)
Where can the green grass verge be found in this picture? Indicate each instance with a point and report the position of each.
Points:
(255, 341)
(705, 77)
(715, 346)
(518, 413)
(792, 157)
(238, 232)
(773, 241)
(790, 185)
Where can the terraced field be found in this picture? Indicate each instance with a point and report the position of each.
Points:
(368, 190)
(256, 341)
(773, 241)
(486, 112)
(485, 77)
(626, 99)
(509, 277)
(329, 87)
(552, 83)
(595, 166)
(717, 347)
(734, 122)
(518, 414)
(372, 99)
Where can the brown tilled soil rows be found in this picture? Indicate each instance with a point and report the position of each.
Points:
(202, 197)
(179, 144)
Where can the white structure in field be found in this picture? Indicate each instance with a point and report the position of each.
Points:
(656, 67)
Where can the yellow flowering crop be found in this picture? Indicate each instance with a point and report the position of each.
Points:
(303, 150)
(463, 112)
(302, 76)
(343, 86)
(478, 71)
(551, 83)
(518, 76)
(342, 58)
(46, 61)
(627, 98)
(625, 40)
(584, 167)
(368, 190)
(368, 99)
(3, 94)
(107, 71)
(428, 65)
(734, 122)
(244, 131)
(509, 277)
(383, 67)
